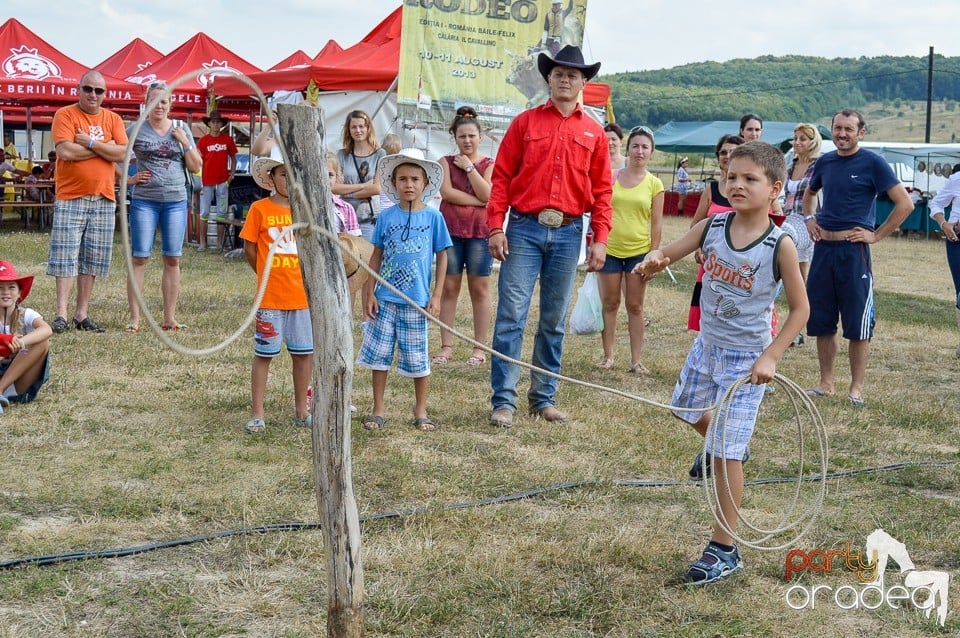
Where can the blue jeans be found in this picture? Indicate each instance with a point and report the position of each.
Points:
(146, 216)
(953, 261)
(550, 254)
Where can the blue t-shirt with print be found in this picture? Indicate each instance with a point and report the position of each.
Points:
(850, 187)
(409, 242)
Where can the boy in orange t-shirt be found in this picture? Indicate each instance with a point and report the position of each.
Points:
(284, 313)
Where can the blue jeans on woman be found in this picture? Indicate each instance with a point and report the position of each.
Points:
(552, 255)
(146, 216)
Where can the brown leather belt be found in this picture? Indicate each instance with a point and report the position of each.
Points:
(550, 217)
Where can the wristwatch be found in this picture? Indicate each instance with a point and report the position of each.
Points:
(468, 169)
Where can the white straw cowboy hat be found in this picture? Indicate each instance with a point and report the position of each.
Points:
(388, 164)
(262, 167)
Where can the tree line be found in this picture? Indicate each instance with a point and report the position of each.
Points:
(780, 88)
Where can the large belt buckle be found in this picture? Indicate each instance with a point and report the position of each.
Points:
(551, 218)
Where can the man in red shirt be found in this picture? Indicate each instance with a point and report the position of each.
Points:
(219, 153)
(552, 167)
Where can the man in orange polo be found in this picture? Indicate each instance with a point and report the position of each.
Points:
(552, 167)
(89, 140)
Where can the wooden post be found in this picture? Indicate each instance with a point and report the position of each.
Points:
(301, 129)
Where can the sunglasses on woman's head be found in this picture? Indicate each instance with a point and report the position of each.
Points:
(641, 129)
(93, 89)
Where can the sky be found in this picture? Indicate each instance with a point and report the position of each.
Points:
(651, 34)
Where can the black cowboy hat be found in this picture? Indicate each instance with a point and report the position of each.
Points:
(216, 116)
(569, 56)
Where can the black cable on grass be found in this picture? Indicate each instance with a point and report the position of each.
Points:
(52, 559)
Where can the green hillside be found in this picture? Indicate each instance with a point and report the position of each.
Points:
(891, 89)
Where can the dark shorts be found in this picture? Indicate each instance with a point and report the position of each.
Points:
(474, 254)
(618, 265)
(31, 393)
(840, 285)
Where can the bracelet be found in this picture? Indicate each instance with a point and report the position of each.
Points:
(91, 143)
(809, 217)
(188, 149)
(495, 231)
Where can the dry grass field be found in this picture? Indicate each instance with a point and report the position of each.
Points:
(131, 444)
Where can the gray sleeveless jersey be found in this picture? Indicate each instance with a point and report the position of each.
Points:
(739, 286)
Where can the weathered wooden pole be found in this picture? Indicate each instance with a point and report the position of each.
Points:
(301, 130)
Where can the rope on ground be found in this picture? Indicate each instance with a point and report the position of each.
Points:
(53, 559)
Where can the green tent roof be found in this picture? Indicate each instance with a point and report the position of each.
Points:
(701, 137)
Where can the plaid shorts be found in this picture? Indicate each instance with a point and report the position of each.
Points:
(81, 239)
(707, 374)
(396, 326)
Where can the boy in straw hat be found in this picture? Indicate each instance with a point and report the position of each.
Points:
(405, 240)
(24, 340)
(284, 313)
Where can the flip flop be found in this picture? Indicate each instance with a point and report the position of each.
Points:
(856, 402)
(605, 364)
(815, 392)
(477, 359)
(132, 328)
(424, 424)
(374, 423)
(442, 358)
(177, 327)
(639, 368)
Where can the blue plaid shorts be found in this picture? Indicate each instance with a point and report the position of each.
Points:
(707, 374)
(401, 327)
(81, 238)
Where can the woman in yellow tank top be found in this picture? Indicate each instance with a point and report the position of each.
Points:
(637, 220)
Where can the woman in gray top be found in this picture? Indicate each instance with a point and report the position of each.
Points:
(164, 149)
(358, 158)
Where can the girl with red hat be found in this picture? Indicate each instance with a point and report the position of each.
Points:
(24, 340)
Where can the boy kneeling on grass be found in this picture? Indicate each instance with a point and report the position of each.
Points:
(24, 341)
(744, 256)
(405, 240)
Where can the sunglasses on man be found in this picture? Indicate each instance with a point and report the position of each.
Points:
(86, 88)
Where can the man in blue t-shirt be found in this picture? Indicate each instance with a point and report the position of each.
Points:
(841, 275)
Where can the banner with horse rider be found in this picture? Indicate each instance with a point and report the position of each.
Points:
(482, 53)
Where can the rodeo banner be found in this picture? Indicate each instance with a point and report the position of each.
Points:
(482, 53)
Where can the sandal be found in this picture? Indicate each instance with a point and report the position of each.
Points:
(88, 325)
(177, 327)
(424, 424)
(444, 356)
(639, 368)
(132, 328)
(59, 324)
(605, 364)
(255, 426)
(374, 423)
(478, 358)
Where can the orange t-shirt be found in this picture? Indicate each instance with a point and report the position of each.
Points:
(265, 221)
(94, 176)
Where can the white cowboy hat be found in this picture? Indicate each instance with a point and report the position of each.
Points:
(262, 167)
(388, 164)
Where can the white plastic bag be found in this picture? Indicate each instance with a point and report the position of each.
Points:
(587, 316)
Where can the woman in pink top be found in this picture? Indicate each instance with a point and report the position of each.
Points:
(465, 191)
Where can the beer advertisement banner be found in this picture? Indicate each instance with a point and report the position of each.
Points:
(480, 53)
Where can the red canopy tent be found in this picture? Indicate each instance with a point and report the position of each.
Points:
(33, 73)
(330, 48)
(199, 52)
(297, 58)
(130, 61)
